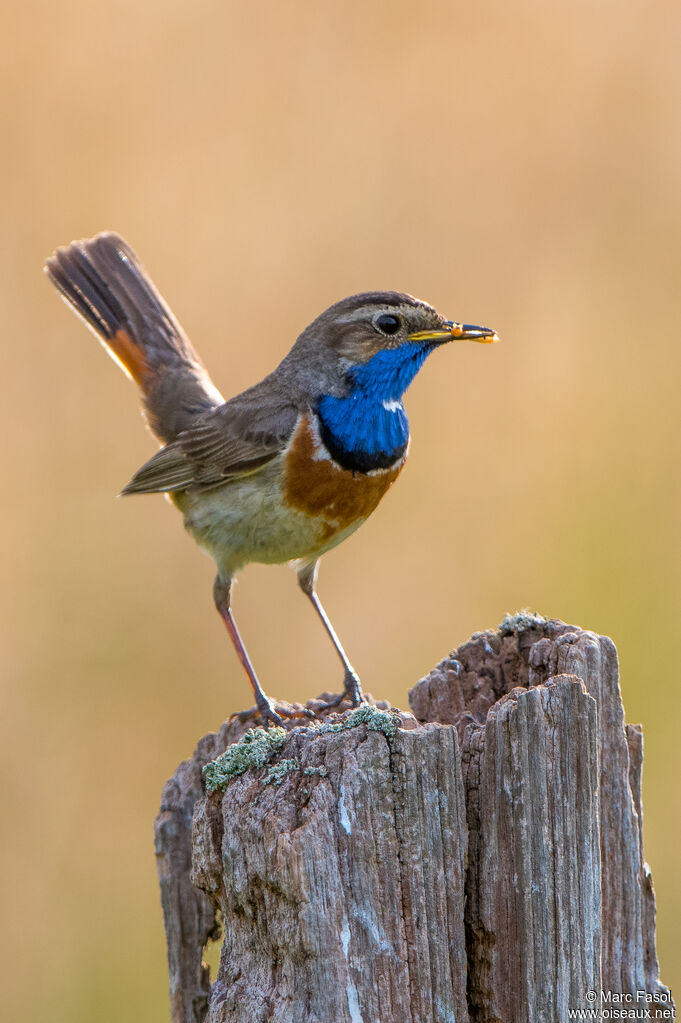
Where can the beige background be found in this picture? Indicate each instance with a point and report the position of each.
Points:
(516, 164)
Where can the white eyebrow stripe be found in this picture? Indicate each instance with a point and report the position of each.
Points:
(392, 406)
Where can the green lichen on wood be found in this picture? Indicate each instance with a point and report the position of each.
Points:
(376, 721)
(278, 772)
(254, 749)
(259, 745)
(520, 622)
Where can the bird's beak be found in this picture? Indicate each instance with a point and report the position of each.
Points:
(457, 332)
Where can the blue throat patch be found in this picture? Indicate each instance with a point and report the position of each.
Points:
(368, 428)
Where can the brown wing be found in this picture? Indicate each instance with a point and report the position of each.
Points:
(233, 440)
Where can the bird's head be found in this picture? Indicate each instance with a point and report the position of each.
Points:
(361, 326)
(378, 339)
(352, 365)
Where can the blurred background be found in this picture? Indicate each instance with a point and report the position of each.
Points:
(516, 165)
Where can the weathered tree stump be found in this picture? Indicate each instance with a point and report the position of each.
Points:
(478, 860)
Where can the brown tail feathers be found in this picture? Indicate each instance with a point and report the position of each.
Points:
(107, 285)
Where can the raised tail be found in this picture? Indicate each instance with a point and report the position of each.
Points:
(108, 287)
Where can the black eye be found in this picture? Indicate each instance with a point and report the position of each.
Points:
(388, 324)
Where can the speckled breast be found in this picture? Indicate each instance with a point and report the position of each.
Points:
(320, 488)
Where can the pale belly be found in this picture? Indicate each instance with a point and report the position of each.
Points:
(297, 507)
(247, 520)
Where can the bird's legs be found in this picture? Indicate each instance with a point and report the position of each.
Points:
(268, 711)
(307, 576)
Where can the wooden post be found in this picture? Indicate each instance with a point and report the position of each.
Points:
(478, 860)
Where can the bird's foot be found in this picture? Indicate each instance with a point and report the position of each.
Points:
(352, 689)
(274, 713)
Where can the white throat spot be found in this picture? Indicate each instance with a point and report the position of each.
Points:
(392, 406)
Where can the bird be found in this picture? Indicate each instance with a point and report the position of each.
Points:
(290, 467)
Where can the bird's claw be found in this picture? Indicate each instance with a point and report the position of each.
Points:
(352, 688)
(274, 714)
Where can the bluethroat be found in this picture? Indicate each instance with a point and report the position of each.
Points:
(292, 466)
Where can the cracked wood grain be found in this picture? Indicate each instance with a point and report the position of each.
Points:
(340, 891)
(533, 885)
(485, 863)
